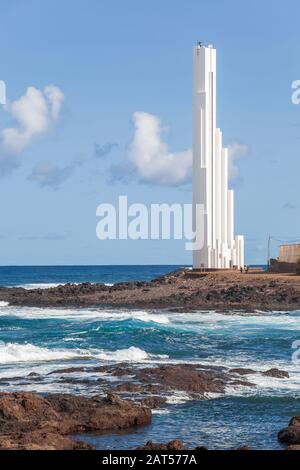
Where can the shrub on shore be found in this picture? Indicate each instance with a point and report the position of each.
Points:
(298, 267)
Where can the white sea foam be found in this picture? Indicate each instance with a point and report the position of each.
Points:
(16, 353)
(162, 411)
(3, 304)
(220, 322)
(53, 387)
(178, 398)
(41, 285)
(49, 285)
(262, 384)
(34, 313)
(131, 354)
(190, 321)
(149, 317)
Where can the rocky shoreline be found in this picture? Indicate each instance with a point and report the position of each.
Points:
(29, 421)
(180, 290)
(32, 422)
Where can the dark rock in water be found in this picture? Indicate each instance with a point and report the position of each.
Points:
(295, 421)
(277, 373)
(243, 383)
(68, 370)
(29, 421)
(185, 377)
(177, 444)
(129, 387)
(291, 434)
(197, 380)
(154, 402)
(242, 371)
(172, 445)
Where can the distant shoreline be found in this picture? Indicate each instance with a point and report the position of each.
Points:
(179, 290)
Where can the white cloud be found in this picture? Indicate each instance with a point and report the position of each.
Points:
(236, 151)
(150, 156)
(150, 159)
(34, 114)
(55, 98)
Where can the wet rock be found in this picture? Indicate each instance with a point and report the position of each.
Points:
(128, 387)
(197, 380)
(68, 370)
(291, 434)
(154, 402)
(295, 421)
(112, 398)
(277, 373)
(242, 371)
(24, 407)
(28, 420)
(242, 383)
(176, 444)
(40, 440)
(185, 377)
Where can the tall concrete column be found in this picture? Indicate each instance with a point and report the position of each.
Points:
(210, 172)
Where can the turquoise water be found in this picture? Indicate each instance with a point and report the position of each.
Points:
(44, 340)
(224, 423)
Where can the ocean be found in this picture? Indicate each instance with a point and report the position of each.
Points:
(40, 341)
(31, 277)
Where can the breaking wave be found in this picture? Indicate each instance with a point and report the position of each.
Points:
(34, 313)
(11, 353)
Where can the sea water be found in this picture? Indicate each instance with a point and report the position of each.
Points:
(43, 340)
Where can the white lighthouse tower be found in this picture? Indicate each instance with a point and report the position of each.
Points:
(221, 249)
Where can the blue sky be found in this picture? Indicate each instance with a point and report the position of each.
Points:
(111, 59)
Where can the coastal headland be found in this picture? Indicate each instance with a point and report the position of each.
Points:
(182, 290)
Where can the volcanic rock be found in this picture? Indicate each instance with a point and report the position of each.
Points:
(291, 434)
(184, 289)
(185, 377)
(154, 402)
(242, 371)
(29, 421)
(176, 444)
(277, 373)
